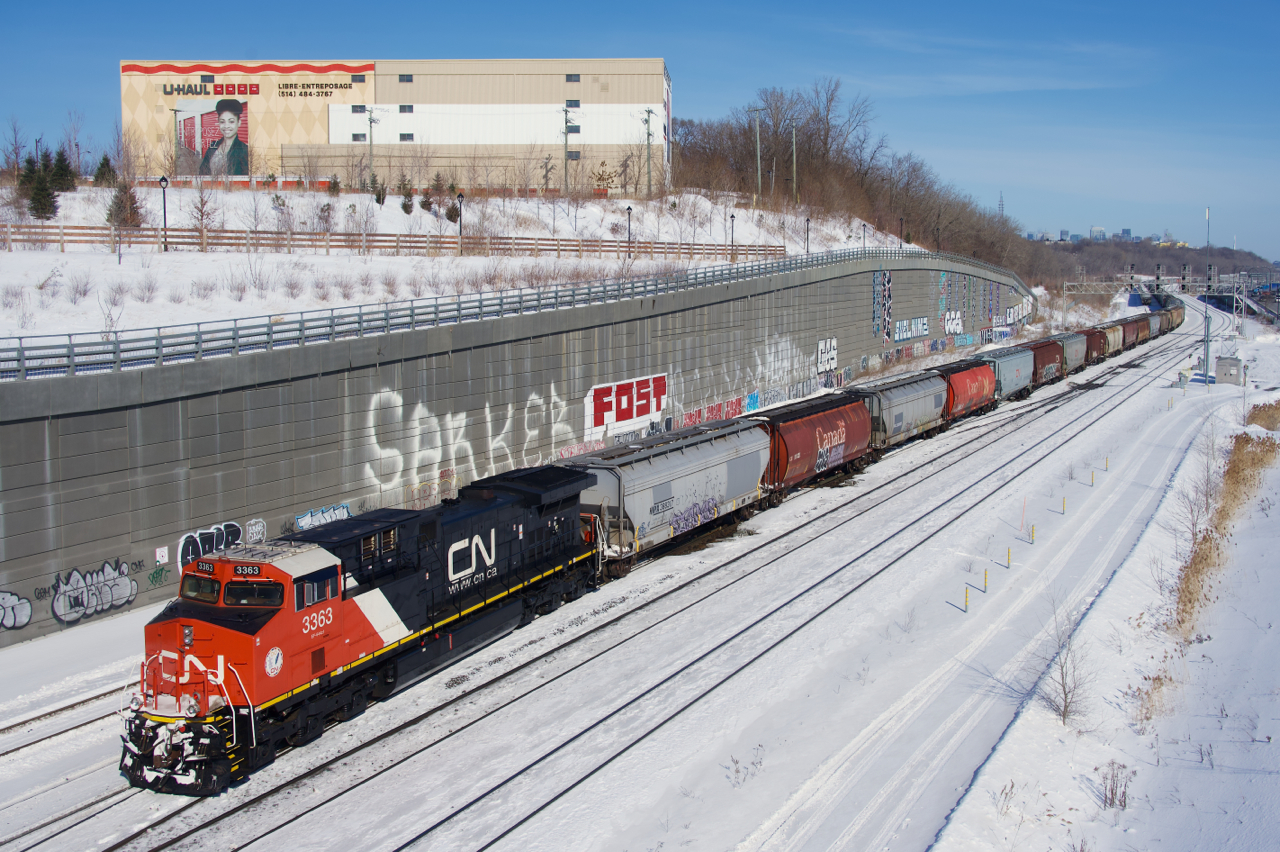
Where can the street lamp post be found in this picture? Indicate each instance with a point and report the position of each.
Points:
(732, 252)
(864, 236)
(460, 200)
(164, 206)
(899, 232)
(806, 234)
(628, 231)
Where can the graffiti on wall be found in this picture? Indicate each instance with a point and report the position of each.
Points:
(15, 611)
(626, 406)
(882, 305)
(82, 595)
(325, 514)
(216, 538)
(412, 445)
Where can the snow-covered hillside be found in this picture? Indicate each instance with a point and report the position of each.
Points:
(88, 288)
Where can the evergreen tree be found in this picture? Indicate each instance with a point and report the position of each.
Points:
(406, 194)
(29, 171)
(125, 211)
(62, 178)
(46, 162)
(105, 175)
(43, 203)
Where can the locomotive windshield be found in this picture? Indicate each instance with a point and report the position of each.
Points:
(259, 593)
(198, 588)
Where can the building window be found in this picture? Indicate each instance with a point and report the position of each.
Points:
(357, 78)
(406, 107)
(573, 78)
(357, 109)
(573, 104)
(406, 78)
(206, 78)
(359, 137)
(572, 128)
(406, 137)
(575, 155)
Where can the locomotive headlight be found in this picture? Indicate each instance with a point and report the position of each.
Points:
(188, 635)
(190, 707)
(135, 703)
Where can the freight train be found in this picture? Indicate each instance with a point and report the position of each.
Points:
(266, 645)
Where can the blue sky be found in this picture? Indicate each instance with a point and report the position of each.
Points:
(1118, 115)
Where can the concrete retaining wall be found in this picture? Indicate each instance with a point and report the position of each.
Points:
(100, 475)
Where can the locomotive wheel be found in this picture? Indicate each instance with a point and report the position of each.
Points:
(357, 705)
(309, 729)
(572, 591)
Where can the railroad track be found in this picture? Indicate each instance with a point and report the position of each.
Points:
(1026, 413)
(694, 670)
(61, 731)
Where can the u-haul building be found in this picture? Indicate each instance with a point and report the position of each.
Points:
(498, 123)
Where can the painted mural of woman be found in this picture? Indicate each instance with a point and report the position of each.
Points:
(228, 155)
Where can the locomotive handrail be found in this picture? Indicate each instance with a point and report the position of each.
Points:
(56, 355)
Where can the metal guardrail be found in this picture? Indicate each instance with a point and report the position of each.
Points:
(48, 356)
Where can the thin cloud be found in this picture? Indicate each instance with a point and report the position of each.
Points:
(951, 84)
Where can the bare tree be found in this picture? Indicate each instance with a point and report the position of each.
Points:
(1068, 676)
(204, 214)
(15, 145)
(308, 166)
(72, 130)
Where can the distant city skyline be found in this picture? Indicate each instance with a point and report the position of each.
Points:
(1074, 123)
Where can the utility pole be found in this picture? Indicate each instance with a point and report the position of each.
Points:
(175, 144)
(372, 121)
(648, 150)
(565, 193)
(1207, 243)
(1206, 340)
(759, 176)
(795, 187)
(772, 173)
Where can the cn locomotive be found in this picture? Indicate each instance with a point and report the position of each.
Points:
(268, 644)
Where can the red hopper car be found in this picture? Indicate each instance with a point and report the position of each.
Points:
(813, 436)
(971, 388)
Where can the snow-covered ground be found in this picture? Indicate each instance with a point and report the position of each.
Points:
(888, 707)
(89, 288)
(1202, 773)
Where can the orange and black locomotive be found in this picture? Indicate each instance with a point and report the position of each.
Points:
(267, 644)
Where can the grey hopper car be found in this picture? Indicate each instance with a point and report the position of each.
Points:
(902, 407)
(1014, 368)
(652, 490)
(1074, 348)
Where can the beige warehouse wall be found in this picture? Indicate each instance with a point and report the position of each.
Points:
(510, 81)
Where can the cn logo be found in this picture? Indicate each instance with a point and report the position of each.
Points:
(476, 543)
